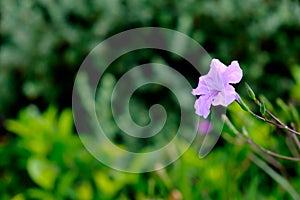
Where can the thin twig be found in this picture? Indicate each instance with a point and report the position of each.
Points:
(282, 126)
(279, 123)
(295, 138)
(251, 142)
(291, 145)
(270, 159)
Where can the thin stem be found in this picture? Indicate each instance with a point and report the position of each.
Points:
(265, 119)
(279, 123)
(275, 118)
(251, 142)
(291, 145)
(295, 138)
(270, 159)
(284, 126)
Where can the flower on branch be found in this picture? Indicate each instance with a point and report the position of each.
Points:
(215, 89)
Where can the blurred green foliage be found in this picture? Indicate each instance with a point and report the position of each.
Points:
(43, 43)
(55, 164)
(45, 160)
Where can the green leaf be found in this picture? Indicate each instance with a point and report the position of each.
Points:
(35, 193)
(65, 122)
(295, 115)
(262, 108)
(252, 191)
(65, 183)
(296, 73)
(42, 172)
(84, 190)
(49, 118)
(276, 177)
(245, 132)
(284, 107)
(18, 128)
(250, 92)
(104, 184)
(267, 103)
(19, 196)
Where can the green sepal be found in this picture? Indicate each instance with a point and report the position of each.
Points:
(243, 105)
(262, 108)
(250, 92)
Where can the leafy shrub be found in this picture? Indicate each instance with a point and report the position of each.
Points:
(44, 42)
(45, 160)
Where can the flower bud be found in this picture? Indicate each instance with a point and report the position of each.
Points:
(250, 92)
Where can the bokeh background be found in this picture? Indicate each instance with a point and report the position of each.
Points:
(43, 43)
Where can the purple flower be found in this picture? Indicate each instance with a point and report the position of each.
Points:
(215, 89)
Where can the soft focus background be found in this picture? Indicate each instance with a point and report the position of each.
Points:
(43, 43)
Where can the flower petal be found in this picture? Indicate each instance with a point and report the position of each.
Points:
(217, 65)
(202, 87)
(215, 89)
(233, 73)
(214, 78)
(225, 97)
(202, 105)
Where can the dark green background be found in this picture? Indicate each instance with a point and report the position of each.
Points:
(43, 43)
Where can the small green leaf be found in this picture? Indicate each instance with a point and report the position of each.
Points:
(65, 183)
(295, 114)
(262, 108)
(65, 122)
(84, 190)
(296, 73)
(50, 118)
(104, 184)
(285, 108)
(18, 128)
(250, 92)
(39, 193)
(267, 102)
(245, 132)
(42, 172)
(19, 196)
